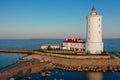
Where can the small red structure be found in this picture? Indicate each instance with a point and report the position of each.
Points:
(93, 9)
(73, 40)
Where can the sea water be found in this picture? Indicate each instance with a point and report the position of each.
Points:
(33, 44)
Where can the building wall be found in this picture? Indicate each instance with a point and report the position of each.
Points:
(51, 46)
(44, 47)
(54, 46)
(74, 46)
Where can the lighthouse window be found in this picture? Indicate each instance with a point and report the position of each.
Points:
(99, 25)
(89, 38)
(89, 32)
(89, 20)
(99, 32)
(99, 19)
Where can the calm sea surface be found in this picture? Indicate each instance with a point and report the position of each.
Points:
(31, 44)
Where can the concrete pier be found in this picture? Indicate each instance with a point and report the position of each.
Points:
(17, 51)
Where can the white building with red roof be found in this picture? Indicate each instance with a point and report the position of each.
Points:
(74, 44)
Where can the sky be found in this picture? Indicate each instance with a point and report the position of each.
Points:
(55, 19)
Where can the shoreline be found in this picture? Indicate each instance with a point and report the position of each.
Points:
(24, 68)
(37, 61)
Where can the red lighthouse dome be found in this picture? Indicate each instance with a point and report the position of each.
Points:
(93, 9)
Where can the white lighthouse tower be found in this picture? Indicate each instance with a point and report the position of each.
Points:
(94, 44)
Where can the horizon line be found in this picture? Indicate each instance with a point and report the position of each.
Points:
(47, 38)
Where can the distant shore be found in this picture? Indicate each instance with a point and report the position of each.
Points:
(38, 61)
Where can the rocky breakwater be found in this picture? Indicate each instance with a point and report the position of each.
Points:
(84, 65)
(88, 68)
(24, 67)
(91, 65)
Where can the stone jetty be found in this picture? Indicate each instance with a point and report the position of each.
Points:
(39, 61)
(17, 51)
(83, 65)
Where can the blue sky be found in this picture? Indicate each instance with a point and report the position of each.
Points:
(27, 19)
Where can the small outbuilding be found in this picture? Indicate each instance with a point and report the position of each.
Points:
(50, 46)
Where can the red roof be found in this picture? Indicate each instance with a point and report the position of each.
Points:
(93, 9)
(73, 40)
